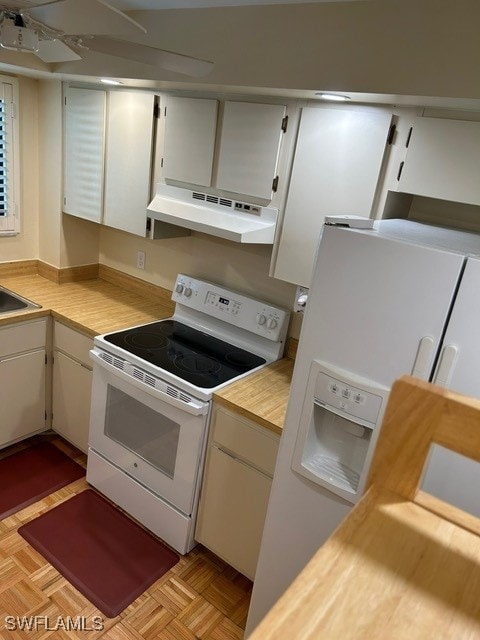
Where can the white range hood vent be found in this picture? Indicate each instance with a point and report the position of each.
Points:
(218, 216)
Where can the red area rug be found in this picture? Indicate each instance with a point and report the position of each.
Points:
(31, 474)
(105, 555)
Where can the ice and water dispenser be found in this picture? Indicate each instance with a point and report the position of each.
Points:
(338, 429)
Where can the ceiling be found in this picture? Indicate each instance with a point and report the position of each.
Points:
(305, 56)
(126, 5)
(147, 5)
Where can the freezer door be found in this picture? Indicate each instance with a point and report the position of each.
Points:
(459, 363)
(450, 476)
(378, 305)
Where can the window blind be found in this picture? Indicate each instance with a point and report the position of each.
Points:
(3, 162)
(9, 157)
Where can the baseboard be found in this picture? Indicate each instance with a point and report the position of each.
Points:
(136, 285)
(67, 274)
(19, 268)
(292, 346)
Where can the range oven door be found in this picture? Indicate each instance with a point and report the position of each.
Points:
(147, 434)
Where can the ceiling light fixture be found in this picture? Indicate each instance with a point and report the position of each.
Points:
(333, 96)
(108, 81)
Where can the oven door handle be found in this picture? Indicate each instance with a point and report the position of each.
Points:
(193, 406)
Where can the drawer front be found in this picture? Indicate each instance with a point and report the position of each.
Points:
(18, 338)
(72, 342)
(247, 440)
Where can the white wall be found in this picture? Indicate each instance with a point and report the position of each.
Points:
(234, 265)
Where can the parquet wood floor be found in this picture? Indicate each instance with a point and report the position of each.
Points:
(201, 597)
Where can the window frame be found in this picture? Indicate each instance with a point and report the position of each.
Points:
(10, 222)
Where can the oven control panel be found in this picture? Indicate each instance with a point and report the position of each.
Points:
(232, 307)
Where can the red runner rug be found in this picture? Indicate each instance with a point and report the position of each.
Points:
(31, 474)
(105, 555)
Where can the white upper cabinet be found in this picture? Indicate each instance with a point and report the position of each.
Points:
(241, 158)
(190, 128)
(108, 138)
(337, 162)
(249, 147)
(129, 155)
(84, 153)
(442, 160)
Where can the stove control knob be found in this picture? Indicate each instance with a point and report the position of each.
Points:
(261, 319)
(271, 323)
(187, 292)
(179, 288)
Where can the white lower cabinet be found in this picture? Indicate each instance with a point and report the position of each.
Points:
(23, 380)
(72, 385)
(236, 487)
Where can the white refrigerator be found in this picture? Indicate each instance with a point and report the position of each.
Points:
(401, 298)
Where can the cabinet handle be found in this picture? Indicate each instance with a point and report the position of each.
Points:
(391, 133)
(400, 169)
(408, 137)
(244, 463)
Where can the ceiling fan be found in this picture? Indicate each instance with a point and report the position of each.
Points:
(62, 30)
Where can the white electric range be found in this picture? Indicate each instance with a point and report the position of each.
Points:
(151, 399)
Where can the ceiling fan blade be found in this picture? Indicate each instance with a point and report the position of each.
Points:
(90, 17)
(150, 55)
(55, 51)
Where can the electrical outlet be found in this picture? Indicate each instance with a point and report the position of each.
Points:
(141, 258)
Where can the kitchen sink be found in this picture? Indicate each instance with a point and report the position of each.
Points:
(10, 301)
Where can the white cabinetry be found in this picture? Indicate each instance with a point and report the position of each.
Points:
(72, 384)
(442, 160)
(236, 487)
(189, 146)
(108, 156)
(336, 168)
(84, 133)
(249, 146)
(242, 159)
(23, 379)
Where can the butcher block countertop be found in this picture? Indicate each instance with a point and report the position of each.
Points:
(91, 306)
(115, 301)
(403, 565)
(261, 396)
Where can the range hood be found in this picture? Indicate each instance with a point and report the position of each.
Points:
(215, 215)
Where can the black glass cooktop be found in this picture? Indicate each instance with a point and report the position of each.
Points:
(192, 355)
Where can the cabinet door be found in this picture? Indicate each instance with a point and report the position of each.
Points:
(190, 128)
(128, 160)
(84, 126)
(337, 163)
(72, 387)
(22, 396)
(442, 160)
(232, 512)
(249, 148)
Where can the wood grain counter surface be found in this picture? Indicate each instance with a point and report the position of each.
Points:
(97, 306)
(403, 565)
(91, 306)
(261, 396)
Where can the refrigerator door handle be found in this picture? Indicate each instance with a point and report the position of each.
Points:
(421, 366)
(446, 365)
